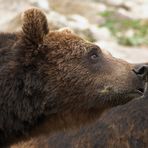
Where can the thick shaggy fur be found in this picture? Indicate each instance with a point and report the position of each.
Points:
(58, 76)
(124, 126)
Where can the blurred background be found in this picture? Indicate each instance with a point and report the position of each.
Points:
(120, 26)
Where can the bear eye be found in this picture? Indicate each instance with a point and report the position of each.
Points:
(93, 55)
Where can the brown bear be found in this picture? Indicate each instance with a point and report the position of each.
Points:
(58, 77)
(125, 126)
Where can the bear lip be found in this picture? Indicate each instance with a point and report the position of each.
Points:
(140, 91)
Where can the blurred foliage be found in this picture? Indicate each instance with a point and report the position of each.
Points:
(119, 27)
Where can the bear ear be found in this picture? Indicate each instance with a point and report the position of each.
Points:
(35, 25)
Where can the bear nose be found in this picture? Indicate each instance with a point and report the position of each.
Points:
(141, 71)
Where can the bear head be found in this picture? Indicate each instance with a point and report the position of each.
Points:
(49, 74)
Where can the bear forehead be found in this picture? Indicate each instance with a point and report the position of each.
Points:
(67, 43)
(62, 36)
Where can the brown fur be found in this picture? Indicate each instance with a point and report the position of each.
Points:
(125, 126)
(56, 79)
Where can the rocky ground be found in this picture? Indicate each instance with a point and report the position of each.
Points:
(119, 26)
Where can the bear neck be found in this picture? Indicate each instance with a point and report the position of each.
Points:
(22, 100)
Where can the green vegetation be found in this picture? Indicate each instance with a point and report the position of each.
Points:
(120, 27)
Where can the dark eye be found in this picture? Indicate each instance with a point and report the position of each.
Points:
(93, 55)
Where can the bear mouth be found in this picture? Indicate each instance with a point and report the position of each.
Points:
(137, 93)
(140, 91)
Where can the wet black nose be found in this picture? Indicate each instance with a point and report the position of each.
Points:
(141, 70)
